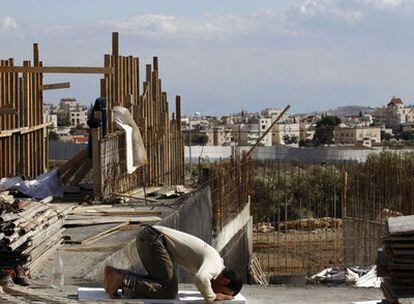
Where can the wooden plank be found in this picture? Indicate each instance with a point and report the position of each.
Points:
(100, 235)
(77, 178)
(66, 166)
(82, 209)
(55, 86)
(73, 169)
(90, 220)
(56, 69)
(121, 212)
(23, 130)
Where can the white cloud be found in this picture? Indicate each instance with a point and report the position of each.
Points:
(312, 52)
(309, 9)
(204, 27)
(383, 4)
(7, 23)
(145, 24)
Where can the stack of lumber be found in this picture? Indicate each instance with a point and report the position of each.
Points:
(396, 260)
(29, 231)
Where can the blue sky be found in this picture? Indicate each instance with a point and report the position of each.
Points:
(225, 55)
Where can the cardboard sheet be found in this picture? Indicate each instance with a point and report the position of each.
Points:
(184, 296)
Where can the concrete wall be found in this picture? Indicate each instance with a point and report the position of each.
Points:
(282, 153)
(234, 243)
(64, 150)
(362, 239)
(237, 252)
(194, 216)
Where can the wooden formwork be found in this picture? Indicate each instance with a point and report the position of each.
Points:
(23, 136)
(161, 134)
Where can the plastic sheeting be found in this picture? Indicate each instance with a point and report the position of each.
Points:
(358, 277)
(46, 184)
(136, 153)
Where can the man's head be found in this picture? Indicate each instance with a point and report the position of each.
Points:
(227, 283)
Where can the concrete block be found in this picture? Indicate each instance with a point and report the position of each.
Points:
(184, 296)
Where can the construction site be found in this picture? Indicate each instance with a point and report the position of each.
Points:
(297, 226)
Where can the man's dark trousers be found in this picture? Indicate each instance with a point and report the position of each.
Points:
(161, 281)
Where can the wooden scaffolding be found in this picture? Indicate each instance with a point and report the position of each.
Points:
(23, 132)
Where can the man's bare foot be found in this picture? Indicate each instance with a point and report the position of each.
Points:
(112, 281)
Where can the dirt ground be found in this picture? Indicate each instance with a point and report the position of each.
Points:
(302, 252)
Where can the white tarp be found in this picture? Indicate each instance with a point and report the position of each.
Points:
(370, 279)
(46, 184)
(136, 153)
(356, 276)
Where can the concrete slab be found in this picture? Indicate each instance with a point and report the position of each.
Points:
(184, 296)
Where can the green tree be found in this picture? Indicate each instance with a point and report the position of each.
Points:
(198, 138)
(324, 131)
(288, 139)
(296, 192)
(385, 136)
(53, 135)
(406, 135)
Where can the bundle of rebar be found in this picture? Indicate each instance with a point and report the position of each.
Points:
(30, 231)
(396, 260)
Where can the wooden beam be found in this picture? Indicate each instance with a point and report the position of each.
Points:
(55, 86)
(56, 69)
(96, 220)
(99, 236)
(81, 155)
(115, 44)
(23, 130)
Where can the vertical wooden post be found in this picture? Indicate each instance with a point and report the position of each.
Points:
(96, 162)
(344, 194)
(115, 44)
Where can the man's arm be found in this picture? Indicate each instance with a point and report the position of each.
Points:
(222, 297)
(203, 284)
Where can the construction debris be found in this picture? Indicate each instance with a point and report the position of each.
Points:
(396, 260)
(256, 273)
(355, 276)
(30, 231)
(46, 184)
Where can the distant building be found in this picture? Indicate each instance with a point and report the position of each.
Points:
(264, 124)
(48, 117)
(287, 132)
(72, 113)
(395, 114)
(272, 113)
(357, 135)
(219, 136)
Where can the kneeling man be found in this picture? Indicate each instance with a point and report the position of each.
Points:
(160, 249)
